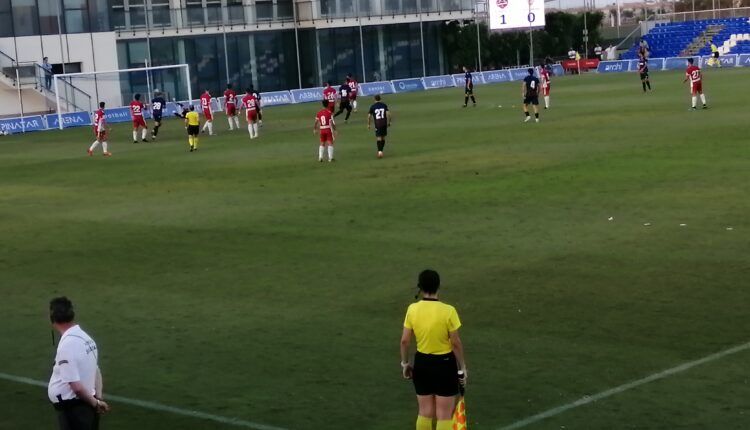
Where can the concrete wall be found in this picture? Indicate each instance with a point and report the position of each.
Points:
(95, 52)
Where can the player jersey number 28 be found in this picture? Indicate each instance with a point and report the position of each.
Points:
(157, 106)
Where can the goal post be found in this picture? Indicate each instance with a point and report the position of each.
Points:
(82, 91)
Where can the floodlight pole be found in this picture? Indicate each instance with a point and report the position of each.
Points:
(20, 100)
(479, 44)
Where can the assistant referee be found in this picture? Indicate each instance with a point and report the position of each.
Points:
(439, 367)
(75, 387)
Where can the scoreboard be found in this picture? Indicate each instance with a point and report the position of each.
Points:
(516, 14)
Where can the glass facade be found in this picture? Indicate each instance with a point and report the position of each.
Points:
(41, 17)
(267, 59)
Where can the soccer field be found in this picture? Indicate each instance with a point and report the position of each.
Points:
(250, 282)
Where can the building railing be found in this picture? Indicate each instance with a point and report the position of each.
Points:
(154, 19)
(697, 15)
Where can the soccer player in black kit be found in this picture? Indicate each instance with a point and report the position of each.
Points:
(344, 103)
(643, 70)
(530, 93)
(158, 104)
(468, 88)
(382, 116)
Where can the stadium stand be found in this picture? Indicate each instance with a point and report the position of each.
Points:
(731, 35)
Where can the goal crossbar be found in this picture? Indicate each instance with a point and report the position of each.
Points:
(62, 76)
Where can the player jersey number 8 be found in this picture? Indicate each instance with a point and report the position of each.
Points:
(323, 121)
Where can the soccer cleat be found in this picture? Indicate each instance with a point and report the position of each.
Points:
(107, 154)
(380, 154)
(144, 140)
(528, 118)
(320, 160)
(463, 105)
(135, 141)
(332, 160)
(536, 120)
(705, 106)
(90, 152)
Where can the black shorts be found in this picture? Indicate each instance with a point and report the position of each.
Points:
(716, 54)
(344, 104)
(531, 100)
(194, 130)
(435, 375)
(644, 75)
(157, 117)
(469, 90)
(381, 131)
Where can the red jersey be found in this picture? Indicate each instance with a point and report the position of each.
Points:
(206, 102)
(136, 109)
(353, 85)
(544, 76)
(325, 118)
(99, 120)
(249, 102)
(694, 74)
(230, 97)
(329, 93)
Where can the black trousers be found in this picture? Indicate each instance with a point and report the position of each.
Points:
(76, 415)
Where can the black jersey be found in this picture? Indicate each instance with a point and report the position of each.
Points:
(379, 114)
(532, 86)
(344, 92)
(643, 66)
(469, 80)
(158, 104)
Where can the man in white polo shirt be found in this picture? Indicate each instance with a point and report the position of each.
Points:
(75, 388)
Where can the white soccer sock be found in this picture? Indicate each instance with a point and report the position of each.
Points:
(205, 124)
(546, 101)
(255, 129)
(94, 145)
(135, 135)
(231, 123)
(354, 104)
(250, 130)
(144, 134)
(104, 146)
(237, 122)
(695, 100)
(330, 152)
(703, 99)
(210, 127)
(321, 152)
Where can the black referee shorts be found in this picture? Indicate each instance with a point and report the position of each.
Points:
(435, 375)
(76, 415)
(194, 130)
(531, 100)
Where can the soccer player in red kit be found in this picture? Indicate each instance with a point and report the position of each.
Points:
(250, 104)
(354, 86)
(546, 83)
(136, 113)
(324, 121)
(329, 95)
(207, 113)
(230, 105)
(693, 73)
(100, 131)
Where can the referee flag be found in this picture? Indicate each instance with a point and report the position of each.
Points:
(459, 415)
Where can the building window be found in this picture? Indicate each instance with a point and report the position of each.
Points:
(48, 16)
(76, 16)
(25, 17)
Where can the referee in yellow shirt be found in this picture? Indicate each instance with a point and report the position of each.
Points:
(193, 125)
(439, 366)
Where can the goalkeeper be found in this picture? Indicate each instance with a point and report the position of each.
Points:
(439, 367)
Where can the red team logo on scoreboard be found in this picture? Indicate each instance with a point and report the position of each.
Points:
(502, 4)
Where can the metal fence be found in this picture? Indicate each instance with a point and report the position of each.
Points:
(704, 14)
(192, 18)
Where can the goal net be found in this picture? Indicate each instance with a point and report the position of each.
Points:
(82, 92)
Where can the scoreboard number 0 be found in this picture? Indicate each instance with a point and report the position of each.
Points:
(531, 17)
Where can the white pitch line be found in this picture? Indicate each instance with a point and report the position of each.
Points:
(624, 387)
(157, 406)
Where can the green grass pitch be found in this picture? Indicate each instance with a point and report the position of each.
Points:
(248, 280)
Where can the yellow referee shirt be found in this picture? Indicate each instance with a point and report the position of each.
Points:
(192, 118)
(432, 321)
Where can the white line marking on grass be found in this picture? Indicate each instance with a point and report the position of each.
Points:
(156, 406)
(624, 387)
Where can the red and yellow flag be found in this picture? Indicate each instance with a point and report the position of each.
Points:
(459, 415)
